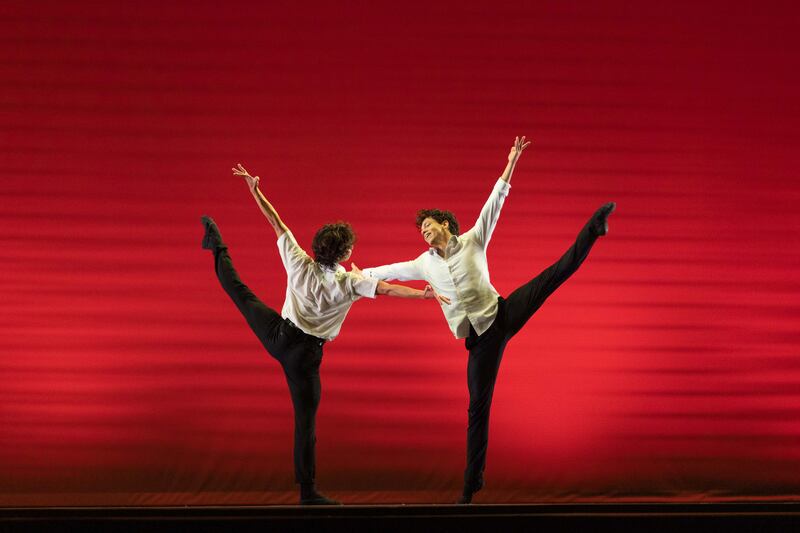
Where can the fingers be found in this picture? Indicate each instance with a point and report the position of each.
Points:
(439, 297)
(240, 170)
(428, 293)
(520, 143)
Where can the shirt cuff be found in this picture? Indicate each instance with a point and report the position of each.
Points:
(367, 287)
(286, 235)
(502, 186)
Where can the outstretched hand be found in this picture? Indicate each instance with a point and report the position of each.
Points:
(355, 270)
(516, 150)
(430, 294)
(252, 181)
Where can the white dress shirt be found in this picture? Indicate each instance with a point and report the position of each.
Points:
(318, 298)
(462, 274)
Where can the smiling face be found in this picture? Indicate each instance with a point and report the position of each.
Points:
(434, 232)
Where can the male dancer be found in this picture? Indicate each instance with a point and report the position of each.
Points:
(455, 266)
(319, 294)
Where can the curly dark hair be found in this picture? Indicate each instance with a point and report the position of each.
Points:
(439, 216)
(331, 242)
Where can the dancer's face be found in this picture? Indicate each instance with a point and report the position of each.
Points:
(434, 232)
(346, 255)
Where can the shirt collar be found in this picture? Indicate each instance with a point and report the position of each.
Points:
(450, 244)
(331, 270)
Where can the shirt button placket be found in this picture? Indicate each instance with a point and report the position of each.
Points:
(453, 281)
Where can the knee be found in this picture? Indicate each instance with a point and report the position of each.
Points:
(304, 422)
(305, 408)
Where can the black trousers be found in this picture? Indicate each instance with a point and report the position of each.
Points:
(299, 354)
(486, 350)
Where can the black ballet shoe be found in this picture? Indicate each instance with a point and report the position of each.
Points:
(318, 499)
(600, 218)
(212, 240)
(466, 496)
(465, 499)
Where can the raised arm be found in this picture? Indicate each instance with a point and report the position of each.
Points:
(487, 220)
(269, 212)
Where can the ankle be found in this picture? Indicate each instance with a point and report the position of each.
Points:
(308, 489)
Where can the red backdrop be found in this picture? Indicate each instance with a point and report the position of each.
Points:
(665, 369)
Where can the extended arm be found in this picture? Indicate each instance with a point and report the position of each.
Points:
(401, 291)
(484, 226)
(269, 212)
(405, 271)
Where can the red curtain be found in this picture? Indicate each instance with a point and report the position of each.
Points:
(665, 369)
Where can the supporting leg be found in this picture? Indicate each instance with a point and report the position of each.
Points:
(301, 366)
(485, 354)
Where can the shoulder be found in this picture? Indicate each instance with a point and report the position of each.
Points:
(287, 242)
(424, 257)
(343, 275)
(467, 236)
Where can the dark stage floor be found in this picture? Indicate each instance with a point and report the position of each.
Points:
(418, 518)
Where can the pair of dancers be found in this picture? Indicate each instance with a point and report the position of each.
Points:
(319, 293)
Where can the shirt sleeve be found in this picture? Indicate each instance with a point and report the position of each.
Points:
(405, 271)
(295, 259)
(487, 220)
(362, 286)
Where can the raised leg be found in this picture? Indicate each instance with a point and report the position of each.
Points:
(263, 320)
(527, 299)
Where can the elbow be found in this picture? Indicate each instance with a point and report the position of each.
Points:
(383, 289)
